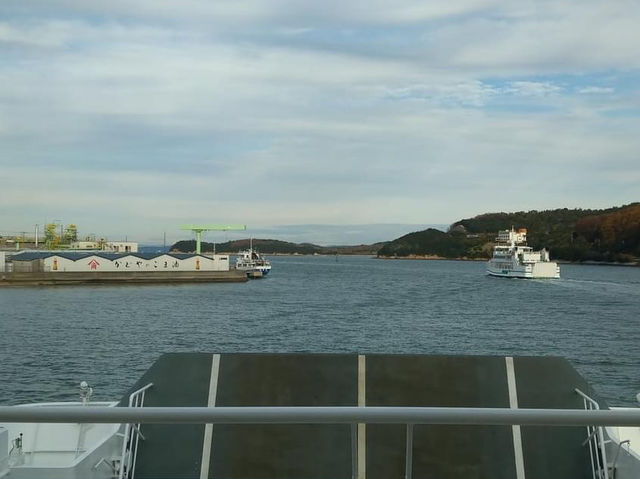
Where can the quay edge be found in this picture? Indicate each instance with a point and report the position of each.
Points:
(133, 277)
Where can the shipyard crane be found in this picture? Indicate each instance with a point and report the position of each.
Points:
(199, 229)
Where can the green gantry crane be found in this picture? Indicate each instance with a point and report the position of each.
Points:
(198, 229)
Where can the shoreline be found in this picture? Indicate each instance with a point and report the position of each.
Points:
(442, 258)
(559, 261)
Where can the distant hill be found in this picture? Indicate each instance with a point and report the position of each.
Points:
(268, 246)
(611, 234)
(607, 235)
(438, 244)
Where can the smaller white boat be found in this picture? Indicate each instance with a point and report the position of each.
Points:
(252, 262)
(513, 259)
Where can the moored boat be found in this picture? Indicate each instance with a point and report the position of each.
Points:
(251, 262)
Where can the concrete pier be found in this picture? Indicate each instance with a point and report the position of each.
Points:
(129, 277)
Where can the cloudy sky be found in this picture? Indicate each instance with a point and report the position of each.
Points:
(133, 117)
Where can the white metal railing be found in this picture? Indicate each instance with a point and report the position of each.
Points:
(322, 415)
(132, 435)
(595, 439)
(135, 415)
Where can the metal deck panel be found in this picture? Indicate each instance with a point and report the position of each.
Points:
(173, 451)
(438, 451)
(552, 452)
(284, 451)
(325, 451)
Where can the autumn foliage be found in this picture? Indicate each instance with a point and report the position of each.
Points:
(610, 235)
(616, 233)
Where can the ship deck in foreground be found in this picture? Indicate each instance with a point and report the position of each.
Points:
(246, 445)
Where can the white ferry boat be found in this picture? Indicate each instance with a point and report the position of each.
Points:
(513, 259)
(251, 261)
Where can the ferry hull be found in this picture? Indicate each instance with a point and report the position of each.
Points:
(263, 270)
(537, 271)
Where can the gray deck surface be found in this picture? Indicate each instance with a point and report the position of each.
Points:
(284, 451)
(173, 451)
(553, 452)
(324, 451)
(439, 451)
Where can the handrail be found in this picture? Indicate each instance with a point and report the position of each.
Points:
(595, 439)
(323, 415)
(132, 435)
(134, 394)
(590, 400)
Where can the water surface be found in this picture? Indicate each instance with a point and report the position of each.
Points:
(51, 338)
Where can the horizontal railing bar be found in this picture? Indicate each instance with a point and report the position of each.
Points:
(322, 415)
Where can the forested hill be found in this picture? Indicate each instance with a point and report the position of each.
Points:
(570, 234)
(264, 246)
(438, 244)
(268, 246)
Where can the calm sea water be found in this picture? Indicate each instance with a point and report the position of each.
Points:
(51, 338)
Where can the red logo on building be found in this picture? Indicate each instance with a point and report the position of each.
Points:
(93, 264)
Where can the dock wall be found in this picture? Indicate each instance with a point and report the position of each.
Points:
(132, 277)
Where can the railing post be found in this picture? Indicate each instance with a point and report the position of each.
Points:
(132, 434)
(595, 438)
(408, 462)
(354, 451)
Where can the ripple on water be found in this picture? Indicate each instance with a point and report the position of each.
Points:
(54, 337)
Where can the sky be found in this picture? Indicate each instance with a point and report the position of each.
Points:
(131, 118)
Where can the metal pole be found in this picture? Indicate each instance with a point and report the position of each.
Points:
(36, 236)
(354, 451)
(321, 415)
(408, 462)
(198, 238)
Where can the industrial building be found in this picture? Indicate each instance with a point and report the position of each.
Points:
(44, 262)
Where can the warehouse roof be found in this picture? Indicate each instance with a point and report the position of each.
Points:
(75, 256)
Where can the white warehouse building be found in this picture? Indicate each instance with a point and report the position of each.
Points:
(117, 262)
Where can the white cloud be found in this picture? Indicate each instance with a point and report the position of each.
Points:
(225, 14)
(595, 90)
(474, 93)
(285, 113)
(554, 37)
(532, 88)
